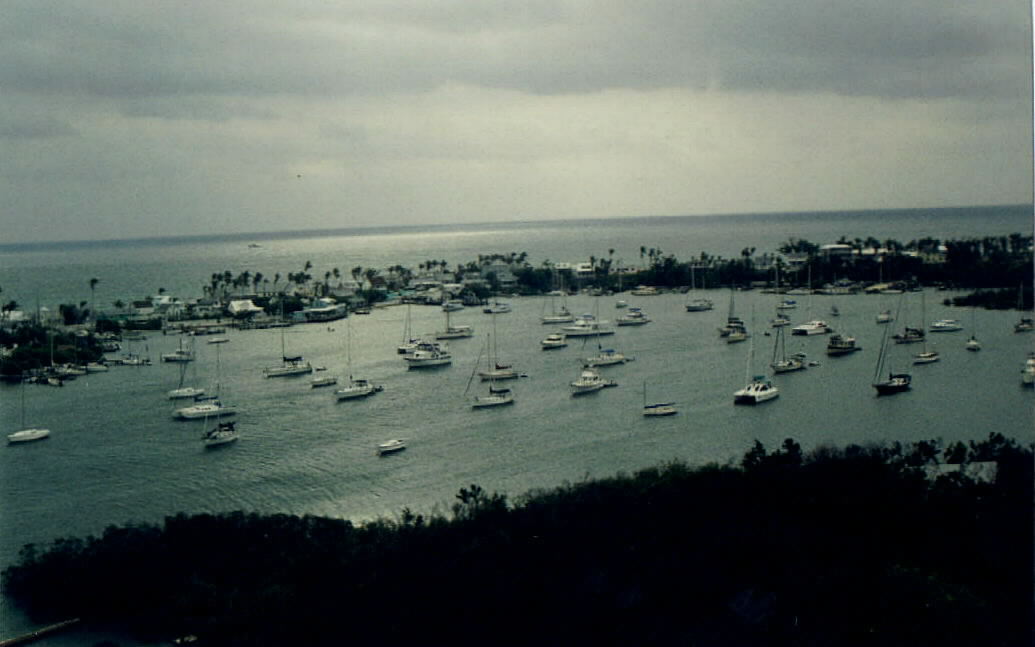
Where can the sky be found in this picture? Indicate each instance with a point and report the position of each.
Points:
(142, 118)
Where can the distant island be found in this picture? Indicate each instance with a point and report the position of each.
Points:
(861, 545)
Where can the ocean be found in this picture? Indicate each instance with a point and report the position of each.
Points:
(116, 454)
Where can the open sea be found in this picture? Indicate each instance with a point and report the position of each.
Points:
(117, 455)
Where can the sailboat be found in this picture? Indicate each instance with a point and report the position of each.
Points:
(357, 387)
(973, 344)
(409, 342)
(182, 392)
(26, 434)
(454, 332)
(657, 408)
(734, 325)
(895, 382)
(925, 356)
(290, 366)
(557, 315)
(181, 354)
(222, 434)
(497, 396)
(495, 370)
(1026, 324)
(211, 407)
(759, 389)
(782, 362)
(696, 303)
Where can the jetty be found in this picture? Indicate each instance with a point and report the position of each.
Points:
(33, 636)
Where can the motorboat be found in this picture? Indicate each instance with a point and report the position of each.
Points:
(291, 367)
(27, 435)
(222, 434)
(606, 357)
(909, 336)
(323, 380)
(634, 317)
(186, 392)
(589, 381)
(554, 340)
(814, 327)
(358, 388)
(427, 355)
(1028, 372)
(839, 344)
(757, 391)
(497, 308)
(946, 325)
(391, 446)
(644, 291)
(587, 325)
(699, 305)
(209, 409)
(495, 398)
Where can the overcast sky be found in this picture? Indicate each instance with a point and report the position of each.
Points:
(128, 119)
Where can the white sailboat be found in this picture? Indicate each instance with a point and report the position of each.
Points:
(290, 366)
(696, 303)
(182, 392)
(497, 396)
(223, 433)
(782, 362)
(356, 387)
(494, 370)
(409, 342)
(925, 356)
(454, 332)
(759, 388)
(212, 407)
(657, 408)
(557, 314)
(26, 434)
(973, 344)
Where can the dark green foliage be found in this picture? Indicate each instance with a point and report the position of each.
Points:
(852, 546)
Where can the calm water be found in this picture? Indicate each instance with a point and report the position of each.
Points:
(117, 455)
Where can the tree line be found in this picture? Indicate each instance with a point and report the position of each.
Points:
(849, 546)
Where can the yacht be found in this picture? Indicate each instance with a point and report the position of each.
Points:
(223, 433)
(358, 388)
(839, 344)
(587, 326)
(606, 357)
(292, 366)
(759, 390)
(208, 409)
(391, 446)
(589, 381)
(495, 398)
(946, 325)
(428, 355)
(634, 317)
(27, 435)
(553, 340)
(814, 327)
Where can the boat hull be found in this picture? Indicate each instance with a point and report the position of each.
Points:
(27, 436)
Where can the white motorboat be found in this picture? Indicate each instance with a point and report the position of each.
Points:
(587, 325)
(757, 391)
(1028, 372)
(606, 357)
(358, 388)
(814, 327)
(207, 409)
(634, 317)
(839, 344)
(644, 291)
(946, 325)
(497, 308)
(495, 398)
(428, 355)
(222, 434)
(323, 380)
(554, 340)
(27, 435)
(589, 381)
(186, 392)
(391, 446)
